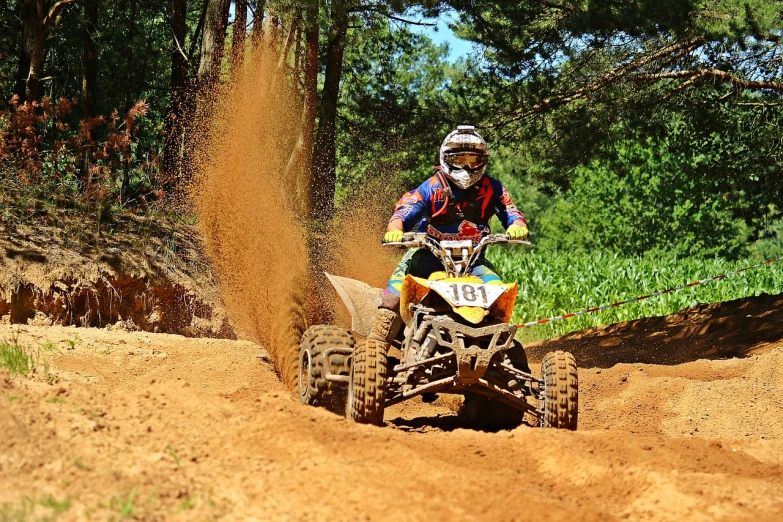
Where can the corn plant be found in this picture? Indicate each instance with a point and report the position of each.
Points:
(557, 283)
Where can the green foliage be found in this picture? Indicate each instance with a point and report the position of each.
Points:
(46, 146)
(641, 91)
(391, 113)
(556, 283)
(771, 246)
(15, 358)
(31, 506)
(644, 199)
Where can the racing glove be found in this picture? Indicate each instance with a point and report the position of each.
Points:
(518, 232)
(394, 236)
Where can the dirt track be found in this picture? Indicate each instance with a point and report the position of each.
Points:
(164, 427)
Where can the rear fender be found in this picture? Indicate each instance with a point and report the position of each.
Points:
(360, 299)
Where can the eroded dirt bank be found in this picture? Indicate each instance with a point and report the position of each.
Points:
(157, 283)
(162, 427)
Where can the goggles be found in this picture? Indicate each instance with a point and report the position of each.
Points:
(469, 160)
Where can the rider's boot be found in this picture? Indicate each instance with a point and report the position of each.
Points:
(387, 321)
(385, 326)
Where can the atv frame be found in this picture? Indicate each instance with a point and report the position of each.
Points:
(474, 360)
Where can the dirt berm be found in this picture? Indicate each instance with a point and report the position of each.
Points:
(138, 273)
(160, 427)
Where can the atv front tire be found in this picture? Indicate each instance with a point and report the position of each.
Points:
(560, 395)
(313, 387)
(367, 387)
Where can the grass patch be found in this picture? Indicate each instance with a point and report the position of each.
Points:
(79, 463)
(48, 346)
(15, 358)
(52, 503)
(22, 360)
(125, 506)
(41, 508)
(186, 505)
(173, 454)
(56, 400)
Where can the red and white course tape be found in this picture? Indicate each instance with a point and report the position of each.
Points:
(640, 298)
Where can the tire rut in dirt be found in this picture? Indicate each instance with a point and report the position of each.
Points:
(367, 389)
(317, 391)
(560, 403)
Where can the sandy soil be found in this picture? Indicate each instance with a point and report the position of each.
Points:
(159, 427)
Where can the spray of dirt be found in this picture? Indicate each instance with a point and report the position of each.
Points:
(250, 195)
(249, 208)
(355, 240)
(357, 230)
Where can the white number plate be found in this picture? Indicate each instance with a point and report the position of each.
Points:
(468, 294)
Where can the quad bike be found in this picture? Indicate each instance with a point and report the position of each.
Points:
(457, 339)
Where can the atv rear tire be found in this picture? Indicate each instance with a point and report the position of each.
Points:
(313, 387)
(367, 387)
(485, 413)
(560, 394)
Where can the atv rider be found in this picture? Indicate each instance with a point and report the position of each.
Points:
(454, 204)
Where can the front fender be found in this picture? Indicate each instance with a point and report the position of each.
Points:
(360, 299)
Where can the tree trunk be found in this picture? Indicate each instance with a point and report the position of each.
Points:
(90, 58)
(258, 21)
(29, 22)
(89, 76)
(197, 33)
(212, 42)
(299, 166)
(35, 22)
(128, 100)
(239, 34)
(179, 80)
(310, 96)
(31, 60)
(324, 162)
(272, 29)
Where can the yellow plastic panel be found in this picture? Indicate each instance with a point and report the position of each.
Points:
(414, 289)
(504, 306)
(474, 314)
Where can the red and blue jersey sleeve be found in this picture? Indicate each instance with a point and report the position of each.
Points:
(505, 209)
(412, 206)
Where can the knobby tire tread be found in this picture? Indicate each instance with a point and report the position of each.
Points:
(561, 384)
(368, 385)
(318, 339)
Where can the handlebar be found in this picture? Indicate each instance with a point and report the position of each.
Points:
(423, 240)
(457, 256)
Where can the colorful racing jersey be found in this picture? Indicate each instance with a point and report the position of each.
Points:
(451, 213)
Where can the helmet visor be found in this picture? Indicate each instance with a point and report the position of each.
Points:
(466, 160)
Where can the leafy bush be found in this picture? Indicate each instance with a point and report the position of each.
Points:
(43, 144)
(645, 199)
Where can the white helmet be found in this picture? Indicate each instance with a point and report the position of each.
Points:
(464, 156)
